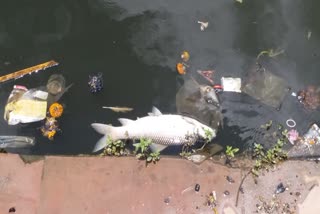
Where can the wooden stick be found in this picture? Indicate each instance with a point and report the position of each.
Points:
(21, 73)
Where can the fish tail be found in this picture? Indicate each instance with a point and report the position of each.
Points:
(107, 131)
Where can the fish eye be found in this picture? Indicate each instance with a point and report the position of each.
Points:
(209, 101)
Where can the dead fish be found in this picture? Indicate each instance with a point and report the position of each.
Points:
(162, 129)
(209, 95)
(118, 109)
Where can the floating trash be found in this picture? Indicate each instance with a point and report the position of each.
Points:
(310, 97)
(181, 68)
(56, 110)
(50, 128)
(313, 135)
(207, 74)
(16, 142)
(95, 83)
(231, 84)
(30, 70)
(293, 136)
(203, 25)
(185, 56)
(25, 106)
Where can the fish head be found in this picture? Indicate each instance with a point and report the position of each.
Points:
(209, 95)
(204, 131)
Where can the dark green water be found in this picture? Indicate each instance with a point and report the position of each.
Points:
(136, 44)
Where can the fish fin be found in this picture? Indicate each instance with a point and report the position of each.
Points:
(155, 112)
(125, 121)
(157, 147)
(102, 143)
(101, 128)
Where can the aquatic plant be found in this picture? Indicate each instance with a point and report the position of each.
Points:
(230, 151)
(143, 151)
(114, 148)
(265, 159)
(270, 53)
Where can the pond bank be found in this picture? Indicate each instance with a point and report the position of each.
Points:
(57, 184)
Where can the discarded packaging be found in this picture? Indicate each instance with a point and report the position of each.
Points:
(266, 87)
(231, 84)
(25, 106)
(312, 136)
(30, 70)
(16, 142)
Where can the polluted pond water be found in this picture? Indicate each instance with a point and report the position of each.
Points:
(231, 79)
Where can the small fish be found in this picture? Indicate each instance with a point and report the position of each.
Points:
(162, 129)
(16, 142)
(118, 109)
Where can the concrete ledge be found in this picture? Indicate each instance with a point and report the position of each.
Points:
(124, 185)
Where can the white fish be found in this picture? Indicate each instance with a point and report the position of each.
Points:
(162, 129)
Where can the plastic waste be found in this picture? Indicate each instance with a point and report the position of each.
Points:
(280, 189)
(266, 87)
(95, 83)
(25, 106)
(16, 142)
(231, 84)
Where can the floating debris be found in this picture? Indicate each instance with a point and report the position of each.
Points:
(185, 56)
(207, 74)
(203, 25)
(118, 109)
(309, 34)
(30, 70)
(181, 68)
(95, 83)
(56, 110)
(50, 128)
(197, 187)
(280, 189)
(226, 193)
